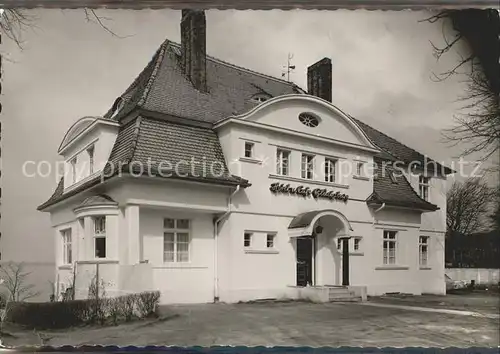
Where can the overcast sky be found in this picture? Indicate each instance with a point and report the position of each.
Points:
(69, 68)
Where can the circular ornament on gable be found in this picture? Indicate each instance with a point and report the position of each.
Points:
(309, 120)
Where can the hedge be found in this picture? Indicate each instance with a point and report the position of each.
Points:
(64, 314)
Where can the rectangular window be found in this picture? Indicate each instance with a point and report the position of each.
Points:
(307, 166)
(356, 244)
(248, 149)
(390, 247)
(283, 162)
(67, 251)
(360, 168)
(330, 166)
(247, 239)
(100, 237)
(176, 240)
(90, 151)
(270, 240)
(423, 183)
(423, 250)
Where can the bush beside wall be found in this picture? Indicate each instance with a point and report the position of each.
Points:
(64, 314)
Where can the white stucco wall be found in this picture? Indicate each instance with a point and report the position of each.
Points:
(189, 282)
(103, 138)
(135, 245)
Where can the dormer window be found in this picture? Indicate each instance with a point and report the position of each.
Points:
(117, 106)
(90, 151)
(259, 98)
(423, 184)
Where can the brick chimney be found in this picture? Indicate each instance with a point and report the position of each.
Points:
(193, 47)
(319, 79)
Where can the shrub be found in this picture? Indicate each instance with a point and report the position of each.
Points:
(70, 313)
(127, 306)
(147, 303)
(46, 315)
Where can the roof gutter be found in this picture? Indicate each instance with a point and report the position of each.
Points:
(216, 243)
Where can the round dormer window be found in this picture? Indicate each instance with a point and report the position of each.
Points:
(309, 120)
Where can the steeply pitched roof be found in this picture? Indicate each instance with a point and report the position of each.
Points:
(392, 188)
(161, 87)
(101, 199)
(398, 150)
(180, 151)
(163, 149)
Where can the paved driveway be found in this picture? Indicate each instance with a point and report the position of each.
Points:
(294, 324)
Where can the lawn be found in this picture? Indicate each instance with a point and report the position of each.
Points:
(282, 324)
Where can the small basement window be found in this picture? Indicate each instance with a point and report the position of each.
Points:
(309, 120)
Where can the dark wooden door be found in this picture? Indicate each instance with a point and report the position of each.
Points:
(304, 261)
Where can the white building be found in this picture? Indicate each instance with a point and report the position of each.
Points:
(209, 181)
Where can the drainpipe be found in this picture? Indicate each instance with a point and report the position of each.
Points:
(216, 243)
(378, 209)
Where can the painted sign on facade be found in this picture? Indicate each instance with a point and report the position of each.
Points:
(316, 193)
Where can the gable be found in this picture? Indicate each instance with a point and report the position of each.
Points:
(308, 115)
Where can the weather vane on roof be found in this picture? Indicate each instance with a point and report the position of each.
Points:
(288, 68)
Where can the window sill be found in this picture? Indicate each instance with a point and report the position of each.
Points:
(251, 160)
(65, 267)
(362, 178)
(392, 267)
(179, 265)
(99, 261)
(305, 180)
(425, 268)
(269, 251)
(356, 253)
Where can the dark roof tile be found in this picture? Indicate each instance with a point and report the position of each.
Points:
(395, 190)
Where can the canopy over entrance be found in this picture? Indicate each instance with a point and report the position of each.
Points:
(303, 224)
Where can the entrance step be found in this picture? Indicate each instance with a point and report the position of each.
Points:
(342, 294)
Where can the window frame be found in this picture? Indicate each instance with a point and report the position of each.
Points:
(99, 234)
(421, 245)
(250, 236)
(270, 240)
(359, 168)
(306, 166)
(176, 231)
(73, 161)
(91, 153)
(424, 187)
(280, 162)
(339, 244)
(67, 246)
(358, 243)
(386, 253)
(328, 170)
(251, 151)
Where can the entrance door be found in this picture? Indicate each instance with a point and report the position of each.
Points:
(304, 261)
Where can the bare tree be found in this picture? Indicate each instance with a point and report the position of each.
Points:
(469, 206)
(479, 127)
(15, 281)
(14, 22)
